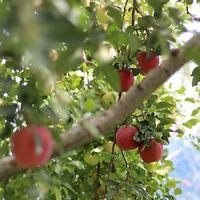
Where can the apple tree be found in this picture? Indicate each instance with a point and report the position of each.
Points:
(61, 64)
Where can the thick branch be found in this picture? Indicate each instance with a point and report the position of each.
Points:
(107, 121)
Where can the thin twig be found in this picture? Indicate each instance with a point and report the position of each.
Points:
(187, 10)
(97, 181)
(147, 193)
(139, 12)
(124, 14)
(133, 12)
(124, 159)
(126, 163)
(137, 115)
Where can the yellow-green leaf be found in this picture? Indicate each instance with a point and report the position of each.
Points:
(57, 193)
(177, 191)
(89, 105)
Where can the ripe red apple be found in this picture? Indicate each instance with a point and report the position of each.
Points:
(152, 153)
(126, 78)
(146, 63)
(32, 146)
(124, 138)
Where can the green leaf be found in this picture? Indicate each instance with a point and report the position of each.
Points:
(70, 153)
(189, 2)
(67, 185)
(136, 71)
(196, 76)
(162, 105)
(134, 42)
(111, 76)
(180, 133)
(57, 193)
(166, 121)
(168, 162)
(149, 134)
(139, 191)
(152, 98)
(144, 126)
(182, 90)
(57, 168)
(116, 15)
(111, 193)
(165, 111)
(132, 172)
(192, 54)
(191, 123)
(90, 105)
(195, 111)
(147, 21)
(163, 142)
(105, 157)
(190, 99)
(65, 190)
(112, 183)
(77, 163)
(178, 191)
(158, 136)
(171, 38)
(170, 184)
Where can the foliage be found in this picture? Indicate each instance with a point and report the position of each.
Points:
(81, 75)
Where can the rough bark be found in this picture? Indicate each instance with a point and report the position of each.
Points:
(107, 121)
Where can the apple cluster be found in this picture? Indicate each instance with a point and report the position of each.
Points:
(146, 60)
(32, 146)
(125, 141)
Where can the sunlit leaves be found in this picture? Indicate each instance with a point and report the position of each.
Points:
(162, 105)
(190, 123)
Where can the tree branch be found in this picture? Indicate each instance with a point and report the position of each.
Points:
(124, 14)
(107, 121)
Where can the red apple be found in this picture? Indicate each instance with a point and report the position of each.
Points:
(124, 138)
(147, 63)
(126, 78)
(32, 146)
(152, 153)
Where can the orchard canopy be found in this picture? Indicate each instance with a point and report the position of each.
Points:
(59, 62)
